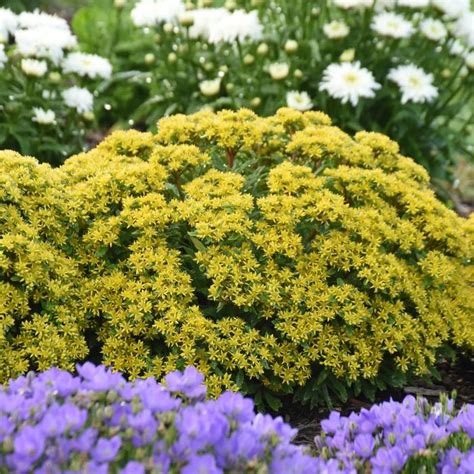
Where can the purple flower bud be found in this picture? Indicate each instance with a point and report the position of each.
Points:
(98, 378)
(133, 467)
(85, 441)
(364, 445)
(333, 423)
(29, 444)
(157, 399)
(6, 427)
(189, 382)
(201, 464)
(389, 460)
(106, 449)
(235, 406)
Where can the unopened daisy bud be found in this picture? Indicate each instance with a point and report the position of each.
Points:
(298, 73)
(249, 59)
(262, 49)
(168, 27)
(33, 67)
(230, 5)
(119, 3)
(255, 102)
(207, 3)
(279, 71)
(464, 72)
(347, 55)
(157, 38)
(446, 73)
(89, 116)
(224, 68)
(210, 88)
(183, 48)
(208, 66)
(186, 19)
(172, 58)
(256, 3)
(54, 76)
(190, 6)
(230, 87)
(149, 58)
(469, 59)
(315, 11)
(291, 46)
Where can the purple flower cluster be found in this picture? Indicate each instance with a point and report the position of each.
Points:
(412, 436)
(97, 422)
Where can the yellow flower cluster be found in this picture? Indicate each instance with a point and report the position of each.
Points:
(254, 248)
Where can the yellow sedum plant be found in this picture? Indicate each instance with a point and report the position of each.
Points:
(272, 253)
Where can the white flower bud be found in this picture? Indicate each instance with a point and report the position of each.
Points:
(279, 71)
(210, 88)
(291, 46)
(347, 56)
(149, 58)
(262, 49)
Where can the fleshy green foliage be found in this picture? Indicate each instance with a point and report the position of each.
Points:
(278, 255)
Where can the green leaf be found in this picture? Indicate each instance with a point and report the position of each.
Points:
(273, 402)
(338, 388)
(197, 243)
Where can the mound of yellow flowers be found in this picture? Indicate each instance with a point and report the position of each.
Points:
(271, 253)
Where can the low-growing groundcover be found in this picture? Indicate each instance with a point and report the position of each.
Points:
(96, 422)
(277, 255)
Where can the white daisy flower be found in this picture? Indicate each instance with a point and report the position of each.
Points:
(278, 71)
(457, 48)
(452, 8)
(469, 59)
(347, 4)
(236, 25)
(348, 82)
(413, 3)
(43, 117)
(204, 20)
(3, 56)
(381, 5)
(78, 98)
(33, 67)
(414, 83)
(465, 28)
(37, 19)
(299, 100)
(89, 65)
(336, 29)
(210, 88)
(8, 24)
(44, 42)
(392, 24)
(433, 29)
(154, 12)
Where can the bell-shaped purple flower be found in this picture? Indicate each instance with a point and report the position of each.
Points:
(190, 382)
(106, 449)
